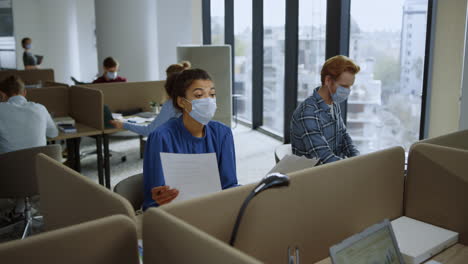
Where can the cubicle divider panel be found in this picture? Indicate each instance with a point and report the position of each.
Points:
(69, 198)
(168, 239)
(457, 139)
(54, 84)
(131, 95)
(110, 240)
(30, 76)
(437, 187)
(216, 60)
(55, 99)
(87, 107)
(321, 206)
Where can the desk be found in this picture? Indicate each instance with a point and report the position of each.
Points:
(73, 147)
(456, 254)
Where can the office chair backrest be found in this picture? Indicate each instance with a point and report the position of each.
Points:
(110, 240)
(131, 189)
(282, 151)
(437, 187)
(322, 206)
(457, 139)
(69, 198)
(19, 177)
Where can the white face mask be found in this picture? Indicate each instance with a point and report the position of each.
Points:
(111, 75)
(203, 109)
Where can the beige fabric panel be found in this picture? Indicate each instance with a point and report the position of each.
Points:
(30, 76)
(87, 107)
(131, 95)
(457, 139)
(55, 99)
(110, 240)
(167, 239)
(437, 187)
(322, 206)
(51, 83)
(69, 198)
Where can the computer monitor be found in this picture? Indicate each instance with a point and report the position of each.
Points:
(375, 245)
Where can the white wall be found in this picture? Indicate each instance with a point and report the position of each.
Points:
(127, 31)
(447, 68)
(179, 23)
(53, 26)
(86, 27)
(464, 93)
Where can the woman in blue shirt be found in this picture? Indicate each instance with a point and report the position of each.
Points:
(194, 95)
(167, 110)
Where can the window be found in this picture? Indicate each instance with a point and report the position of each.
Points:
(377, 118)
(273, 76)
(243, 58)
(312, 20)
(217, 21)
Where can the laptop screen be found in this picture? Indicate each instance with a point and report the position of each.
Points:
(373, 246)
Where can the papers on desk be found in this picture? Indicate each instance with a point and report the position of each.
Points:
(194, 175)
(138, 120)
(117, 116)
(64, 120)
(291, 163)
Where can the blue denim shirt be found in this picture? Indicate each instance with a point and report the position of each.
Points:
(317, 132)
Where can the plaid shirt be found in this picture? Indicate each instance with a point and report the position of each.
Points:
(316, 132)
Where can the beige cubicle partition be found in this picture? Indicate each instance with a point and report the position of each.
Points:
(55, 99)
(30, 77)
(216, 60)
(69, 198)
(110, 240)
(437, 187)
(87, 106)
(167, 239)
(322, 206)
(457, 139)
(131, 95)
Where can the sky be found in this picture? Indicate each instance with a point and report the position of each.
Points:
(371, 15)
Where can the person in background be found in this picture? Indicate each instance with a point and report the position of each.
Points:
(194, 94)
(317, 128)
(167, 111)
(111, 69)
(23, 124)
(30, 60)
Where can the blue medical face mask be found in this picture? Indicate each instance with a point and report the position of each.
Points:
(340, 95)
(28, 46)
(111, 75)
(203, 109)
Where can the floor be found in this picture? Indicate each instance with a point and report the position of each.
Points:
(254, 157)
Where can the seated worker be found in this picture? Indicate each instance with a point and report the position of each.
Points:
(317, 128)
(23, 124)
(193, 93)
(167, 111)
(111, 69)
(30, 60)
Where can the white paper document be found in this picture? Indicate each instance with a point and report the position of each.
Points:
(194, 175)
(291, 163)
(138, 120)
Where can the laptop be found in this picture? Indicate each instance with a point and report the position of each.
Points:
(375, 245)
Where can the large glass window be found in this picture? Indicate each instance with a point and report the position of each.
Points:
(387, 39)
(273, 65)
(243, 59)
(217, 21)
(312, 20)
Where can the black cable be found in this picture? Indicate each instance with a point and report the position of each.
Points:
(239, 217)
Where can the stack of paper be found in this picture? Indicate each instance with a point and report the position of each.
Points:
(117, 116)
(64, 120)
(291, 163)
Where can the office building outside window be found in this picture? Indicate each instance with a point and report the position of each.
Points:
(311, 54)
(273, 65)
(242, 93)
(217, 22)
(387, 39)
